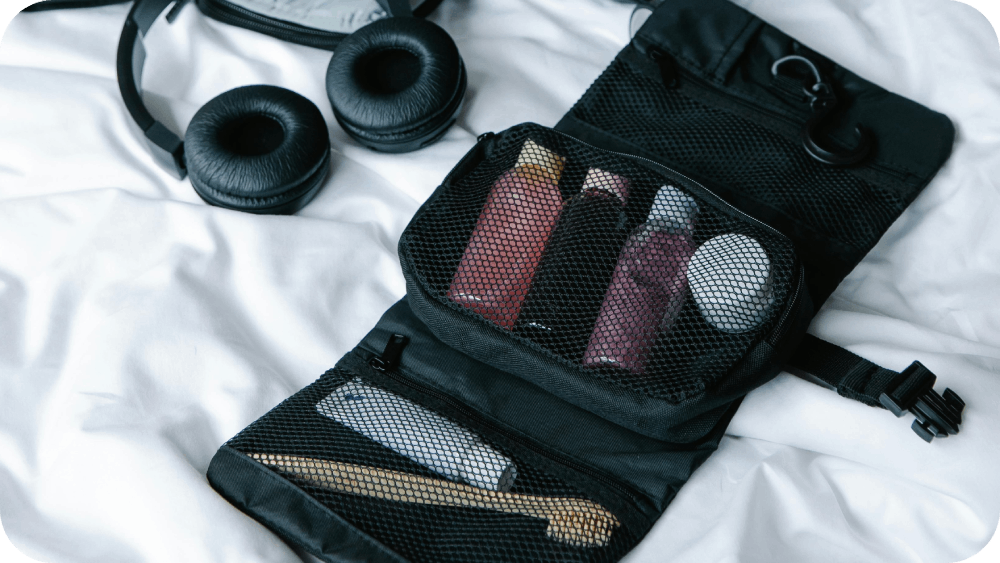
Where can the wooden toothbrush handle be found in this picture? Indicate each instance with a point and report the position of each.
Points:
(579, 522)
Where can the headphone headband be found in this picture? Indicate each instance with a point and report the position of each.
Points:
(166, 146)
(396, 8)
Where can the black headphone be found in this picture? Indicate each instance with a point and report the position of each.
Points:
(395, 85)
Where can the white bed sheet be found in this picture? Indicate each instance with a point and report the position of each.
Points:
(140, 329)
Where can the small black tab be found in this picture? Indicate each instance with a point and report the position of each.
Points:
(913, 382)
(393, 351)
(668, 68)
(936, 416)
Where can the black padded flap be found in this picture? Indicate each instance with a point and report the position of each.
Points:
(707, 35)
(734, 49)
(695, 91)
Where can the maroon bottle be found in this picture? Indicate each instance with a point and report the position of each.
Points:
(496, 269)
(648, 285)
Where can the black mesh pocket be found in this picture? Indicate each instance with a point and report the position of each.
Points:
(740, 154)
(616, 268)
(422, 485)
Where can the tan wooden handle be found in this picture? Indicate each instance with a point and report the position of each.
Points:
(575, 521)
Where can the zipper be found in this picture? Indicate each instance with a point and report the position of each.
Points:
(232, 14)
(661, 58)
(388, 364)
(703, 191)
(480, 140)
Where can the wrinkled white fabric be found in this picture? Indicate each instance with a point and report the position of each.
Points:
(140, 329)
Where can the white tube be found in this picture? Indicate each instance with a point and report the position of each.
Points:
(419, 434)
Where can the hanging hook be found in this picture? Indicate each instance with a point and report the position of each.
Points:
(823, 101)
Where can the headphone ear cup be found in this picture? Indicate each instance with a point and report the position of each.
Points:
(260, 149)
(396, 84)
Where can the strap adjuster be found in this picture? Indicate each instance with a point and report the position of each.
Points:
(936, 416)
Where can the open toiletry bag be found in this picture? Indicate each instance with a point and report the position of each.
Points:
(578, 328)
(587, 306)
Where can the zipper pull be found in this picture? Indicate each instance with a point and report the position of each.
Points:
(389, 360)
(668, 67)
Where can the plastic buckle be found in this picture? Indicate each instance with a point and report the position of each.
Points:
(936, 416)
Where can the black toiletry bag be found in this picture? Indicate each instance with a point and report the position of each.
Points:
(581, 323)
(316, 23)
(582, 454)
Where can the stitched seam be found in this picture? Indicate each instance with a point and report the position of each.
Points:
(732, 45)
(272, 475)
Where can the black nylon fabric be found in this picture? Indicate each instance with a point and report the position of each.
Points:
(654, 469)
(290, 511)
(560, 452)
(582, 460)
(711, 109)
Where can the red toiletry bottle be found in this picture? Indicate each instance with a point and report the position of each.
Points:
(648, 286)
(507, 243)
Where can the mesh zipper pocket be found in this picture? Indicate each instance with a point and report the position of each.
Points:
(424, 486)
(617, 269)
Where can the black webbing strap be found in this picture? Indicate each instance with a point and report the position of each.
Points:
(853, 376)
(910, 390)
